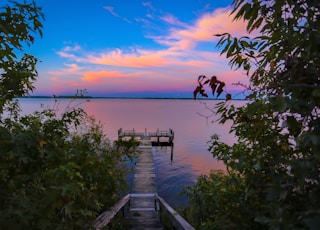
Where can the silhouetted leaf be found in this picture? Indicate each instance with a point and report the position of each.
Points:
(220, 88)
(206, 82)
(201, 77)
(213, 88)
(196, 91)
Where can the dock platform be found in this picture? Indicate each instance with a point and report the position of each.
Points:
(158, 137)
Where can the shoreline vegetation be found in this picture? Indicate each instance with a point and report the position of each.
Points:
(109, 97)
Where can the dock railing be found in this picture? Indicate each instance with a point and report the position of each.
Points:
(168, 216)
(164, 137)
(157, 133)
(104, 219)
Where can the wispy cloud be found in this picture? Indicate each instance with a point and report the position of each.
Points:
(96, 77)
(172, 20)
(112, 11)
(175, 64)
(148, 5)
(69, 69)
(204, 29)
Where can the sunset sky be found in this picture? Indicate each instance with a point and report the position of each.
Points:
(132, 48)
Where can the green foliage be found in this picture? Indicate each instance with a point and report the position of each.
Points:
(52, 177)
(57, 171)
(19, 23)
(276, 159)
(214, 202)
(127, 147)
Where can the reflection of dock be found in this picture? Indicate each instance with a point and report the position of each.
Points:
(158, 138)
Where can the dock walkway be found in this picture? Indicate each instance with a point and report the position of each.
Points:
(142, 207)
(143, 213)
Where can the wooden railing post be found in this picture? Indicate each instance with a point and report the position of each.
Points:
(107, 216)
(173, 218)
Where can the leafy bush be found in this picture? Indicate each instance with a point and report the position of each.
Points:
(53, 176)
(213, 201)
(19, 24)
(275, 161)
(57, 171)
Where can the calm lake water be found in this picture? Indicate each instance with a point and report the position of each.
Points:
(192, 122)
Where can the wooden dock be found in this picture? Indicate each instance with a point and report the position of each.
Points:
(158, 137)
(143, 213)
(143, 208)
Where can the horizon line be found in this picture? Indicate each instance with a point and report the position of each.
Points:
(123, 97)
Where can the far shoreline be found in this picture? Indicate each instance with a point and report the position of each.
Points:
(148, 98)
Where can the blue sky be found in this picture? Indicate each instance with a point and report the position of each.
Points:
(132, 48)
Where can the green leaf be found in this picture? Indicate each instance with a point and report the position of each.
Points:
(293, 125)
(316, 92)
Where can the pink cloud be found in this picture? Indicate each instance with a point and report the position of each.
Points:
(179, 42)
(171, 19)
(118, 58)
(175, 65)
(98, 76)
(203, 30)
(70, 69)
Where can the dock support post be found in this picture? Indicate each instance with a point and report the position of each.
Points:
(171, 152)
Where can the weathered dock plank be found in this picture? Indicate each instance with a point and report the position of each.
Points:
(143, 213)
(142, 220)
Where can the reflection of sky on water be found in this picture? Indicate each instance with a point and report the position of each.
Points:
(172, 176)
(192, 133)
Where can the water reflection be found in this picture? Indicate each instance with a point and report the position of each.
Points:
(192, 133)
